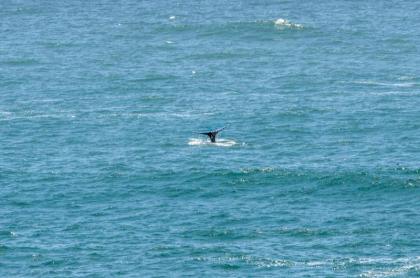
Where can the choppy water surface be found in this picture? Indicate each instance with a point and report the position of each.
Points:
(102, 172)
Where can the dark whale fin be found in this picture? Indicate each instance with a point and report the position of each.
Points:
(212, 134)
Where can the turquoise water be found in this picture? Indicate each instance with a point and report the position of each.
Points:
(102, 173)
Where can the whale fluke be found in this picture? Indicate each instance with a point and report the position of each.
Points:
(212, 134)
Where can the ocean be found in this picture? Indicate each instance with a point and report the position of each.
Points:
(103, 172)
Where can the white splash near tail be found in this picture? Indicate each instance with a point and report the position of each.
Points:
(284, 23)
(204, 142)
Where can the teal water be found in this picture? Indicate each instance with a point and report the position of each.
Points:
(103, 175)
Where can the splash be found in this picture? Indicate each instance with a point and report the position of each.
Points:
(284, 23)
(204, 142)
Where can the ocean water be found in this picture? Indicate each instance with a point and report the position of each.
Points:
(103, 174)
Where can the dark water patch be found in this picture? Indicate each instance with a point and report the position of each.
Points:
(306, 232)
(220, 234)
(7, 234)
(20, 62)
(292, 180)
(168, 251)
(374, 180)
(155, 78)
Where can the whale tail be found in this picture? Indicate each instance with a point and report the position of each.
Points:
(212, 134)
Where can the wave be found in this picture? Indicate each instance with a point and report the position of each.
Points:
(385, 84)
(9, 116)
(368, 266)
(393, 267)
(98, 114)
(231, 28)
(352, 180)
(395, 93)
(407, 77)
(284, 23)
(219, 143)
(235, 261)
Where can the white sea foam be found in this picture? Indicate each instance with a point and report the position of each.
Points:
(203, 142)
(395, 93)
(407, 78)
(45, 100)
(396, 266)
(284, 23)
(386, 84)
(392, 272)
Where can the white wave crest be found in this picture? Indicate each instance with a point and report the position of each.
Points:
(218, 143)
(284, 23)
(386, 84)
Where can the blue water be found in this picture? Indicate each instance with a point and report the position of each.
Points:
(102, 173)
